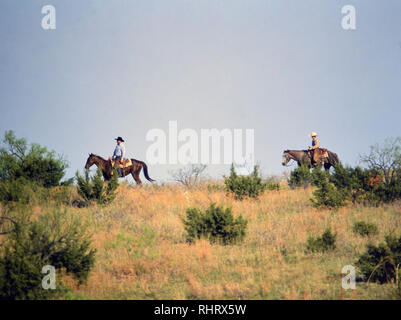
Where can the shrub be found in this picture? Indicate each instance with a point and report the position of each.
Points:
(357, 185)
(95, 188)
(215, 187)
(216, 224)
(300, 177)
(244, 186)
(55, 239)
(327, 194)
(365, 229)
(321, 244)
(381, 263)
(33, 163)
(24, 192)
(18, 190)
(272, 185)
(380, 182)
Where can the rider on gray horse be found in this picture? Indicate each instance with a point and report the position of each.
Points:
(317, 154)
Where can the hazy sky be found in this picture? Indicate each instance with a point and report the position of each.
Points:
(120, 68)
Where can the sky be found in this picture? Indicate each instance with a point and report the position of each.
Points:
(121, 68)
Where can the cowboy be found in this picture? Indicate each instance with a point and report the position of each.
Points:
(316, 150)
(119, 153)
(315, 142)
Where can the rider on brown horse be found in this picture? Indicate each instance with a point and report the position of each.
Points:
(119, 153)
(317, 154)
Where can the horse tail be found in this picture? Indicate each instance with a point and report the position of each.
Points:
(145, 170)
(333, 157)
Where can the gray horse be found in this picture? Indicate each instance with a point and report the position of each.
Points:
(304, 157)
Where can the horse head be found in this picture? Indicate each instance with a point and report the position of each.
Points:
(90, 161)
(286, 158)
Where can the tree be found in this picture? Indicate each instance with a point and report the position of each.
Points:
(189, 176)
(386, 159)
(33, 163)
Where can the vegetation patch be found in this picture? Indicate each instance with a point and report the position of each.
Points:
(216, 223)
(95, 189)
(53, 240)
(324, 243)
(365, 228)
(251, 186)
(381, 263)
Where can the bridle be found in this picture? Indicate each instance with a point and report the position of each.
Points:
(288, 158)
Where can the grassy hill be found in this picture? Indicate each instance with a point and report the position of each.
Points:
(142, 251)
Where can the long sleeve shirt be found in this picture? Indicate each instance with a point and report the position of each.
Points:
(119, 151)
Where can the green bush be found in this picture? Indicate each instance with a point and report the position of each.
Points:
(95, 189)
(326, 195)
(357, 185)
(321, 244)
(33, 163)
(300, 177)
(381, 263)
(18, 190)
(365, 228)
(55, 239)
(245, 186)
(216, 224)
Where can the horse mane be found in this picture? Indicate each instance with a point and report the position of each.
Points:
(97, 156)
(294, 150)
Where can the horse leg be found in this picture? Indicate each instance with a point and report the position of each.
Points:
(135, 175)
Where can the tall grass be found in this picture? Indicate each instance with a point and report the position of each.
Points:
(142, 251)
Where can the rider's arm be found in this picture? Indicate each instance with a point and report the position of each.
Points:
(122, 147)
(115, 152)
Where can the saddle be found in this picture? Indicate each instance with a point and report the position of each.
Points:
(319, 155)
(125, 163)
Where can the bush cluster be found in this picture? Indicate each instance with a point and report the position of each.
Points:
(379, 182)
(95, 189)
(55, 239)
(32, 163)
(323, 243)
(27, 171)
(217, 224)
(365, 228)
(381, 263)
(247, 186)
(300, 177)
(356, 185)
(31, 175)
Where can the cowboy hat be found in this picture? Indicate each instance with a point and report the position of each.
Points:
(313, 134)
(119, 139)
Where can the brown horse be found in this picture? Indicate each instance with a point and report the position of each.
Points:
(107, 168)
(304, 157)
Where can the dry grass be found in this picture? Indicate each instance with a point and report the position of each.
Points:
(142, 253)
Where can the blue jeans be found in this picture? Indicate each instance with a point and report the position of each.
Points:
(117, 159)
